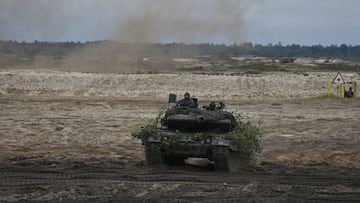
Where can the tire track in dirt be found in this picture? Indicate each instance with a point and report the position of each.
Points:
(189, 183)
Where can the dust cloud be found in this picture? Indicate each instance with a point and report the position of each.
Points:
(137, 22)
(164, 21)
(185, 21)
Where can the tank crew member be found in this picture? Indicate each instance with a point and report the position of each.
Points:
(222, 106)
(211, 107)
(349, 94)
(187, 102)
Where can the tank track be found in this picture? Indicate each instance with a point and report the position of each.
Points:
(226, 160)
(220, 158)
(153, 154)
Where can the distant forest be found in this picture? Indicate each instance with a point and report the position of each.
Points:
(59, 49)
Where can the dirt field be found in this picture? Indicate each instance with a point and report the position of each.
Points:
(74, 144)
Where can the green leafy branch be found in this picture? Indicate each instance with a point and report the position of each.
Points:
(150, 128)
(249, 138)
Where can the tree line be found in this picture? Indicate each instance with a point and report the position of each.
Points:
(59, 49)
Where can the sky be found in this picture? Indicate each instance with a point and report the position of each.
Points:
(305, 22)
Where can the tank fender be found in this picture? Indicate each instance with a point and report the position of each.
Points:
(233, 146)
(154, 139)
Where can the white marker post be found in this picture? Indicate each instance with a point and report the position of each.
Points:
(338, 81)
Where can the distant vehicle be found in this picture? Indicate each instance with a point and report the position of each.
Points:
(288, 60)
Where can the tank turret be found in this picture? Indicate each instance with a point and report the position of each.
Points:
(193, 119)
(189, 131)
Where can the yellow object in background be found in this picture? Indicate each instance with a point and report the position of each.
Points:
(329, 88)
(355, 88)
(341, 94)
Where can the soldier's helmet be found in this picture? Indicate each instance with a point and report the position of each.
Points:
(187, 95)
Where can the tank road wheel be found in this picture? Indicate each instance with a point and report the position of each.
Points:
(226, 160)
(153, 154)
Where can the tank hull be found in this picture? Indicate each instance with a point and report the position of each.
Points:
(224, 153)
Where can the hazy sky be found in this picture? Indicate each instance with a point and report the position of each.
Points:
(221, 21)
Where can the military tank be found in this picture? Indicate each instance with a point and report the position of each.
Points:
(190, 131)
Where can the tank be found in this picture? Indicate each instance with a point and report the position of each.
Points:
(195, 132)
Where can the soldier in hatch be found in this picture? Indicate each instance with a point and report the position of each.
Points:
(187, 102)
(349, 94)
(211, 107)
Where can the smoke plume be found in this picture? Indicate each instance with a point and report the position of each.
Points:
(185, 21)
(126, 21)
(137, 21)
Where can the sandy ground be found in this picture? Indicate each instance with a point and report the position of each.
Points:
(264, 86)
(59, 148)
